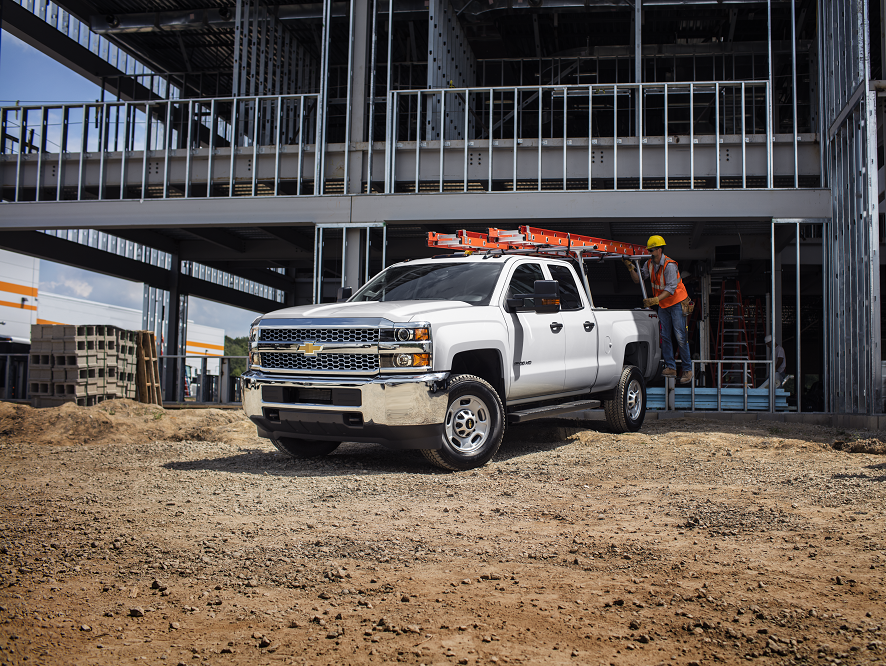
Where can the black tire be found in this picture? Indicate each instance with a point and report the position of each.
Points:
(627, 409)
(304, 448)
(473, 426)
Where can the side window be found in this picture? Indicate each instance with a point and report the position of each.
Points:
(569, 296)
(523, 279)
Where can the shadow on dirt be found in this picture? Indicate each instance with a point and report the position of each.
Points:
(372, 459)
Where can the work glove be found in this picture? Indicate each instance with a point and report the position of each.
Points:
(649, 302)
(627, 262)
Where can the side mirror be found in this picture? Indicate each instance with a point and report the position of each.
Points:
(344, 293)
(547, 296)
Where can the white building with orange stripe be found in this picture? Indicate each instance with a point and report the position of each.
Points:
(19, 280)
(21, 305)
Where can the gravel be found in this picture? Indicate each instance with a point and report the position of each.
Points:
(691, 541)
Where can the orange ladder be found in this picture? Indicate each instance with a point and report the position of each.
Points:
(732, 337)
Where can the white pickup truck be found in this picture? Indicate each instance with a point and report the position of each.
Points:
(441, 354)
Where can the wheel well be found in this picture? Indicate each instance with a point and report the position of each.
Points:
(484, 363)
(637, 353)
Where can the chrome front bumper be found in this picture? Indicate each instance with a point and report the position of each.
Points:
(404, 411)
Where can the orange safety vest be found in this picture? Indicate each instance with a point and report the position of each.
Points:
(658, 284)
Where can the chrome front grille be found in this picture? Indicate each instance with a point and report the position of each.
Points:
(369, 335)
(320, 362)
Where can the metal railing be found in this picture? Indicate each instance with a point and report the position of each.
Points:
(14, 371)
(560, 136)
(660, 136)
(247, 146)
(738, 374)
(210, 385)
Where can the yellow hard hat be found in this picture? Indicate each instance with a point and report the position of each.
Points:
(654, 242)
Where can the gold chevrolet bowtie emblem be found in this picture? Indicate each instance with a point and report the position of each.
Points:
(309, 348)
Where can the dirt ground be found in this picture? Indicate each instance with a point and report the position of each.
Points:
(133, 534)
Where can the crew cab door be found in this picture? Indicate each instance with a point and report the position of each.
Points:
(580, 327)
(537, 341)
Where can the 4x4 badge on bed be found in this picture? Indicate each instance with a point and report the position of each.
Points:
(309, 348)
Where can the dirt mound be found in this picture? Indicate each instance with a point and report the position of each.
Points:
(119, 421)
(872, 445)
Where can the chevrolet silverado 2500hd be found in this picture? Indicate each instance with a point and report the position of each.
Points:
(441, 354)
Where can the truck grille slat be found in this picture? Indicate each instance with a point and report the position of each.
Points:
(318, 335)
(327, 362)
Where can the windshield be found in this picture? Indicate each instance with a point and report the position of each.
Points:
(469, 282)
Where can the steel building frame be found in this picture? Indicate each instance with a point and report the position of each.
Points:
(852, 258)
(289, 143)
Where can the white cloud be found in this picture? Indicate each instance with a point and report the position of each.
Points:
(69, 281)
(70, 287)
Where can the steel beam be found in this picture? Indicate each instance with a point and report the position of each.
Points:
(51, 248)
(37, 33)
(296, 236)
(221, 238)
(44, 246)
(504, 207)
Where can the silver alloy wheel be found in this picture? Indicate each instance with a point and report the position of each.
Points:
(467, 423)
(634, 400)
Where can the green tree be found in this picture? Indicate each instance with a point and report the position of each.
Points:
(237, 347)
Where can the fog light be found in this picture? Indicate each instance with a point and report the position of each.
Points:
(403, 360)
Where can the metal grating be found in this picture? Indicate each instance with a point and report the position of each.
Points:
(323, 362)
(319, 335)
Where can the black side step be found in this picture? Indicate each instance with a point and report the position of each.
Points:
(551, 410)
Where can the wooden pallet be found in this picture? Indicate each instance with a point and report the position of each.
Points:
(147, 371)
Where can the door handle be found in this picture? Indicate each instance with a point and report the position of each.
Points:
(556, 326)
(589, 326)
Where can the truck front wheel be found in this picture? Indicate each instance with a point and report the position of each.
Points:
(304, 448)
(627, 409)
(473, 427)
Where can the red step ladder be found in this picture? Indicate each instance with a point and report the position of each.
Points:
(732, 337)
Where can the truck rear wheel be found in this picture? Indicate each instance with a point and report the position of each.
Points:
(627, 409)
(304, 448)
(473, 427)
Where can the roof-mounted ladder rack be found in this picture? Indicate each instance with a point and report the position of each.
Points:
(534, 240)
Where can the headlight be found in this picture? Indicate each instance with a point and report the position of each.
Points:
(410, 334)
(404, 361)
(405, 347)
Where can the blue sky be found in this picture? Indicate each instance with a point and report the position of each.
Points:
(28, 76)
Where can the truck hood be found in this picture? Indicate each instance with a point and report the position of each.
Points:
(393, 310)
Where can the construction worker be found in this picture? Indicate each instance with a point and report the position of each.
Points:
(780, 362)
(669, 295)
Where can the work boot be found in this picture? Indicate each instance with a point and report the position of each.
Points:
(686, 377)
(669, 372)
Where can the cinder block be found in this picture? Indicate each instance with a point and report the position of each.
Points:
(40, 374)
(59, 374)
(75, 360)
(41, 346)
(55, 332)
(40, 388)
(40, 361)
(81, 375)
(77, 344)
(42, 402)
(70, 390)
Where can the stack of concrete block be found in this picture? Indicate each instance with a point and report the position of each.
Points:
(82, 364)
